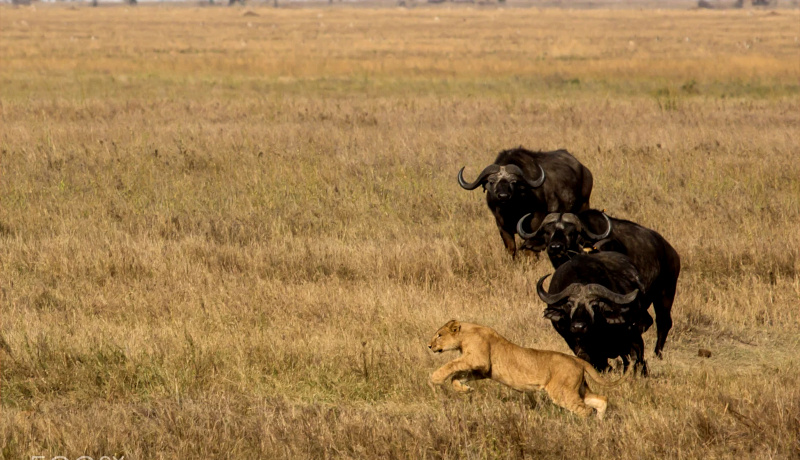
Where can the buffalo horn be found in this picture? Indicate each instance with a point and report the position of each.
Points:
(491, 169)
(604, 235)
(514, 169)
(606, 293)
(550, 299)
(525, 235)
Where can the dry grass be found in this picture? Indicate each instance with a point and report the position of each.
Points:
(230, 236)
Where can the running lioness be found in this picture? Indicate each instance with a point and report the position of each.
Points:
(486, 354)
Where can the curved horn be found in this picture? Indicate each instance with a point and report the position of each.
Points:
(606, 293)
(525, 235)
(603, 235)
(538, 182)
(491, 169)
(550, 299)
(514, 169)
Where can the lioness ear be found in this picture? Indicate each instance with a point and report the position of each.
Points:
(454, 326)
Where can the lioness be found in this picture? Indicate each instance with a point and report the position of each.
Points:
(486, 354)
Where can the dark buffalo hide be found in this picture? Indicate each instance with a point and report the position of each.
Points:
(658, 264)
(594, 303)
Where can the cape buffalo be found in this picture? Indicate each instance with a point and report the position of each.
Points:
(594, 303)
(521, 182)
(656, 260)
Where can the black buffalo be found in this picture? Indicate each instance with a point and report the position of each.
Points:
(594, 303)
(522, 182)
(657, 262)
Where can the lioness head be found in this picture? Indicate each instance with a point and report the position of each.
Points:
(446, 337)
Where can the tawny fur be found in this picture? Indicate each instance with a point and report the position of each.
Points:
(487, 354)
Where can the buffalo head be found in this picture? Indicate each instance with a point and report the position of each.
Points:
(502, 182)
(560, 234)
(580, 306)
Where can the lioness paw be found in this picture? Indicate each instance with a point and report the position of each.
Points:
(460, 387)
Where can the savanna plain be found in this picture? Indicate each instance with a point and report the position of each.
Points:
(230, 232)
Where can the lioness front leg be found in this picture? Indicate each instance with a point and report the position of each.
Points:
(441, 375)
(460, 379)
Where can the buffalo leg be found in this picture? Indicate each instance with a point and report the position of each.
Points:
(508, 240)
(637, 356)
(600, 364)
(641, 368)
(663, 308)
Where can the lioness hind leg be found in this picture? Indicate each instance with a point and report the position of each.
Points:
(600, 403)
(571, 400)
(576, 405)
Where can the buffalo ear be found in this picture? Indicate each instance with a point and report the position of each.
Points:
(608, 310)
(536, 244)
(553, 314)
(584, 244)
(612, 315)
(608, 245)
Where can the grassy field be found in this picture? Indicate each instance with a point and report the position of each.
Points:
(231, 233)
